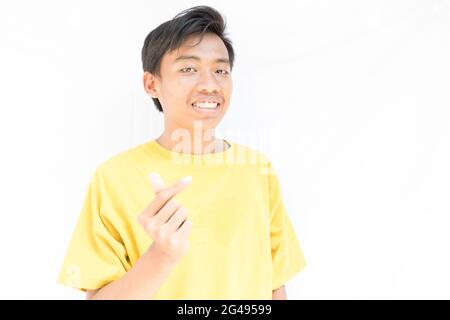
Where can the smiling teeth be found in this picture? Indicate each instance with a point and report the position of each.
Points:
(206, 105)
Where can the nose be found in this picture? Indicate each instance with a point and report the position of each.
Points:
(208, 83)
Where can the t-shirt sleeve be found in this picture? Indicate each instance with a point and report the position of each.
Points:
(95, 255)
(287, 255)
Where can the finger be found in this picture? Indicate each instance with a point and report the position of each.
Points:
(156, 182)
(153, 222)
(184, 230)
(176, 220)
(166, 212)
(163, 196)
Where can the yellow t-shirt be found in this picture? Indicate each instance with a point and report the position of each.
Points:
(242, 243)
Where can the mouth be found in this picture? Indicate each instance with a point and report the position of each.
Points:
(206, 107)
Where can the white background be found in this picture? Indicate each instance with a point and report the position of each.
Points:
(349, 99)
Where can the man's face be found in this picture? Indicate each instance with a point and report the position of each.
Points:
(195, 83)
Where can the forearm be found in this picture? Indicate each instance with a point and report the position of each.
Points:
(279, 294)
(142, 281)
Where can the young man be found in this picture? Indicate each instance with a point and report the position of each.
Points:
(187, 215)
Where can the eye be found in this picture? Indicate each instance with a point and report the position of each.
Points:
(187, 70)
(221, 71)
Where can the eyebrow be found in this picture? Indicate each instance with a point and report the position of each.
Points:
(220, 60)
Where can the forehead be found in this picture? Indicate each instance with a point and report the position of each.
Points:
(211, 47)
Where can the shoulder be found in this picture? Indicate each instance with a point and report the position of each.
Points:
(250, 155)
(119, 164)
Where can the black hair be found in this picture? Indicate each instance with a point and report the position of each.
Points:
(171, 34)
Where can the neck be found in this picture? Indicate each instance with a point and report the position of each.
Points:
(192, 142)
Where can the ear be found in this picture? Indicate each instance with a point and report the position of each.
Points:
(151, 84)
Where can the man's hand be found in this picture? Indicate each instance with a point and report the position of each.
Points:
(165, 220)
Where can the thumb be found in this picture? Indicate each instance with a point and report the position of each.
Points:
(156, 182)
